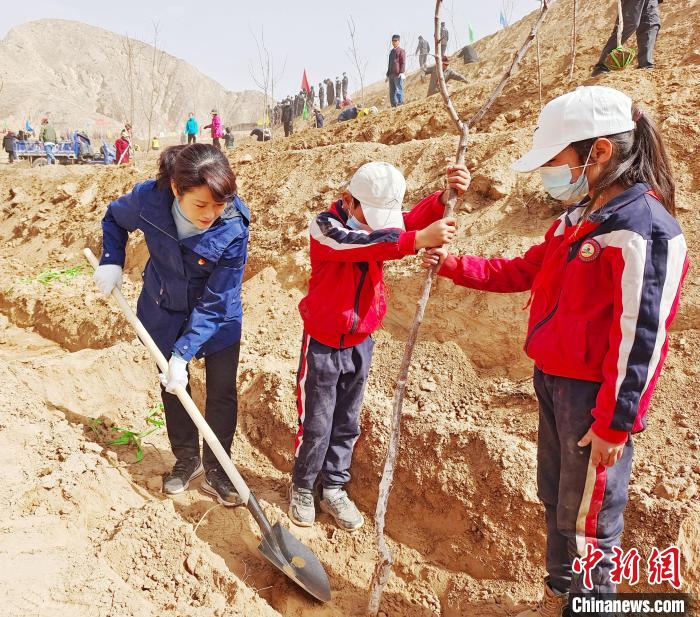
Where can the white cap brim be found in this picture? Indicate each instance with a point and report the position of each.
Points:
(535, 158)
(383, 218)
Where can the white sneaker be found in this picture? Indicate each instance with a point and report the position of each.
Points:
(343, 510)
(302, 510)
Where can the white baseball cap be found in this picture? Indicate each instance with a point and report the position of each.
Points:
(380, 189)
(585, 113)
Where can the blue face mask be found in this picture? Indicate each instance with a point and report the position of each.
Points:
(557, 182)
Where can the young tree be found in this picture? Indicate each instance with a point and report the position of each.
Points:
(264, 75)
(383, 567)
(354, 55)
(155, 90)
(131, 74)
(507, 9)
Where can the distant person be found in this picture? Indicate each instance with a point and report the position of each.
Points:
(344, 84)
(330, 92)
(348, 114)
(122, 149)
(338, 88)
(22, 135)
(321, 96)
(190, 302)
(155, 143)
(450, 74)
(215, 126)
(642, 17)
(261, 133)
(288, 118)
(228, 139)
(422, 51)
(468, 54)
(396, 72)
(8, 145)
(47, 135)
(318, 118)
(444, 37)
(191, 129)
(311, 98)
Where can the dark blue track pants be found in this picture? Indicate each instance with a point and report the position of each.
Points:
(583, 504)
(330, 387)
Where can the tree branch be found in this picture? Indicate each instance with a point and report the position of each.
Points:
(516, 60)
(382, 570)
(573, 44)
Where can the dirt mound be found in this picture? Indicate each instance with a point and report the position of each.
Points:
(464, 520)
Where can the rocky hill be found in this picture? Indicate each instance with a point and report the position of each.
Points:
(79, 75)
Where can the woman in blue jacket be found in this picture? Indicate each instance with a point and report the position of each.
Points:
(196, 230)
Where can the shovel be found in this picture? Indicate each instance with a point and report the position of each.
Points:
(278, 545)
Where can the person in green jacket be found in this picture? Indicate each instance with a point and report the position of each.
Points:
(47, 135)
(191, 129)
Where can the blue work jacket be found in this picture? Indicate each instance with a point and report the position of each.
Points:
(191, 297)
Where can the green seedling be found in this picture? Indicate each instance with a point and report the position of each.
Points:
(127, 437)
(95, 425)
(50, 276)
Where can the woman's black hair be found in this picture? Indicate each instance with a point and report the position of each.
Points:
(197, 165)
(638, 156)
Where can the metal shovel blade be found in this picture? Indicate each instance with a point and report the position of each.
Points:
(297, 561)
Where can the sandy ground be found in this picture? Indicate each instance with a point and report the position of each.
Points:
(85, 527)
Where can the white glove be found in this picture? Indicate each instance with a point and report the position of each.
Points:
(402, 76)
(107, 277)
(177, 374)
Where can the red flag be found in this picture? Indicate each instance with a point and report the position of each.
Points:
(305, 83)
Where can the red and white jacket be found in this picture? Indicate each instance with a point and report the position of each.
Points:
(604, 294)
(346, 300)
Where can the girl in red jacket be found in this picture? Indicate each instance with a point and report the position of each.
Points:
(345, 304)
(604, 290)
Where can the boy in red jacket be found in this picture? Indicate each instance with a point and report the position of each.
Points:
(345, 304)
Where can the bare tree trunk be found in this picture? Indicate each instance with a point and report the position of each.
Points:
(130, 76)
(156, 74)
(355, 56)
(573, 43)
(539, 64)
(382, 570)
(516, 60)
(264, 76)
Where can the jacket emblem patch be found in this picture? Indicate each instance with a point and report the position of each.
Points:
(589, 251)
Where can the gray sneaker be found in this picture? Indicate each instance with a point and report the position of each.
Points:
(344, 511)
(183, 472)
(217, 484)
(302, 511)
